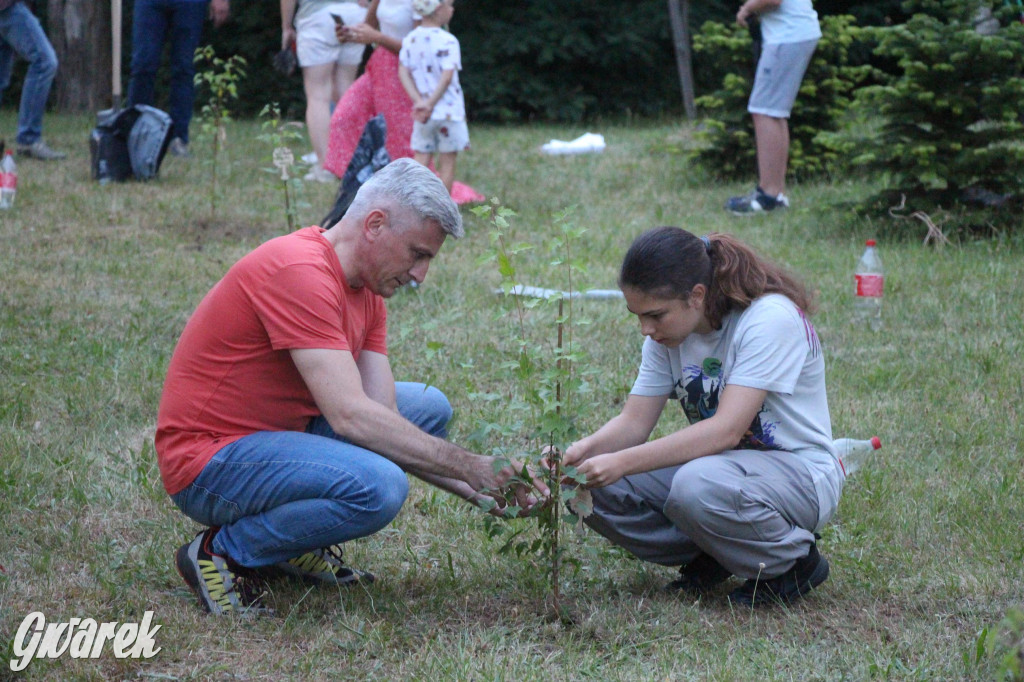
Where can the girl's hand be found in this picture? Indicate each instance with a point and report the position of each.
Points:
(575, 454)
(421, 111)
(601, 470)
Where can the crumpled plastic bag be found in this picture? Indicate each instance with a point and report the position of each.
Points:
(587, 143)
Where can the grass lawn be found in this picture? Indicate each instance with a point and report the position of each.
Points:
(927, 551)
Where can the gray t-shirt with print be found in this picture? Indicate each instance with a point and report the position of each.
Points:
(770, 346)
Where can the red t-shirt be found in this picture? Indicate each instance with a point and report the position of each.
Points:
(231, 373)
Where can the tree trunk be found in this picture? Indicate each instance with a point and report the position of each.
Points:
(679, 16)
(80, 33)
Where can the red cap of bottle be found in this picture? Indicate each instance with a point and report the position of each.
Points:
(870, 242)
(876, 442)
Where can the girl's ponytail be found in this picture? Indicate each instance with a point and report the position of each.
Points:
(739, 276)
(667, 262)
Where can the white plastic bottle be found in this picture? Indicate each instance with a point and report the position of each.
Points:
(8, 180)
(870, 283)
(853, 453)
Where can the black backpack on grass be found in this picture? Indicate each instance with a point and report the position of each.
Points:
(129, 143)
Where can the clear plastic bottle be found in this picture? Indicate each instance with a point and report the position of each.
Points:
(853, 453)
(8, 180)
(870, 280)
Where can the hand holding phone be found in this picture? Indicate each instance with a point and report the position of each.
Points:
(339, 27)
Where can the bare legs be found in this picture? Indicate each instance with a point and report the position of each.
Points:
(445, 166)
(344, 77)
(772, 136)
(324, 84)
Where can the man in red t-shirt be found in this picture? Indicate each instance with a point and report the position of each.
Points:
(281, 427)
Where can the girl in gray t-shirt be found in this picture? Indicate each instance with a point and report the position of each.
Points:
(743, 489)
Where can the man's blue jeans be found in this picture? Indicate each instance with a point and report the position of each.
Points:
(277, 495)
(153, 22)
(21, 34)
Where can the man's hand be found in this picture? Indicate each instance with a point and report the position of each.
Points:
(499, 484)
(752, 8)
(742, 16)
(219, 12)
(492, 507)
(547, 452)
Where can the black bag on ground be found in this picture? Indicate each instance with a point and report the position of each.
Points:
(370, 156)
(129, 143)
(108, 146)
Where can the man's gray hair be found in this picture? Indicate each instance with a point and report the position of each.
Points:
(410, 185)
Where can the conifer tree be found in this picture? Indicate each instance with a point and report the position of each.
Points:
(952, 116)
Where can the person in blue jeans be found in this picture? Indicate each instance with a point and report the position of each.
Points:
(22, 35)
(179, 22)
(281, 427)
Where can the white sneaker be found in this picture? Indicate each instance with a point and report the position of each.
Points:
(179, 148)
(40, 150)
(318, 174)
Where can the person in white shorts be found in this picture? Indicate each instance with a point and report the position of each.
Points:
(328, 66)
(430, 61)
(789, 33)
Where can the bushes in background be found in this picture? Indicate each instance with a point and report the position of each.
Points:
(947, 138)
(560, 60)
(727, 139)
(951, 119)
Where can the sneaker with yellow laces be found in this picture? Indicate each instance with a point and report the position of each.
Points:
(222, 585)
(324, 565)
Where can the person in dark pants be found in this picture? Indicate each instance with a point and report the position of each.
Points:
(179, 22)
(21, 34)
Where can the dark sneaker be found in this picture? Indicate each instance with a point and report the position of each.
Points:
(179, 148)
(806, 574)
(756, 202)
(40, 150)
(699, 576)
(325, 566)
(223, 586)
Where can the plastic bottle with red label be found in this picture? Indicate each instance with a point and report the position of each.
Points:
(870, 280)
(8, 181)
(853, 453)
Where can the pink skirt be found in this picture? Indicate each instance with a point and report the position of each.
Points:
(378, 91)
